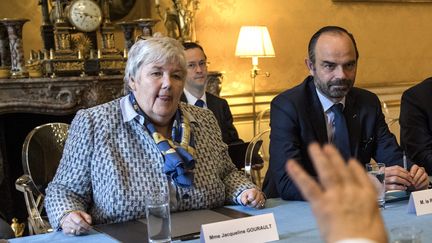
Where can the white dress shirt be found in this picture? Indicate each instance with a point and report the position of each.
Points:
(192, 99)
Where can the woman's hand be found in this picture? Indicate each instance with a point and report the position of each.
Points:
(253, 198)
(76, 223)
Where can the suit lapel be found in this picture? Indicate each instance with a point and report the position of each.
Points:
(183, 98)
(352, 117)
(315, 112)
(211, 104)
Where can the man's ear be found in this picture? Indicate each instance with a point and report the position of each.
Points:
(310, 66)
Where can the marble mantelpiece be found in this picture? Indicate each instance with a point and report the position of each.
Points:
(57, 96)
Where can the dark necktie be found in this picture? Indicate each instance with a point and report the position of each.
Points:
(340, 135)
(199, 103)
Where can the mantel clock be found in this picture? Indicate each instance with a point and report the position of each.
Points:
(84, 15)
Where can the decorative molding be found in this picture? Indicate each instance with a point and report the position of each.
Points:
(65, 95)
(387, 84)
(241, 104)
(393, 103)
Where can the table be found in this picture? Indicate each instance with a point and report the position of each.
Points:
(294, 219)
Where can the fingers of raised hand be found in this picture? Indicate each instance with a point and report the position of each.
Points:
(358, 174)
(309, 188)
(326, 161)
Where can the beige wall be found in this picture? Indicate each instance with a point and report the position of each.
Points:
(394, 39)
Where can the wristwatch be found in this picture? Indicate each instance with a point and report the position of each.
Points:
(85, 15)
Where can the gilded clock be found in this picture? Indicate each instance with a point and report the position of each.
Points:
(85, 15)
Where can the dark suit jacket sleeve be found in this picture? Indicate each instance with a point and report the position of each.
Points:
(377, 139)
(416, 134)
(285, 143)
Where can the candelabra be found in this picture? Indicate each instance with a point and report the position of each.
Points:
(179, 20)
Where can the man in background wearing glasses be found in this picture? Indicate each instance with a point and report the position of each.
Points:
(195, 93)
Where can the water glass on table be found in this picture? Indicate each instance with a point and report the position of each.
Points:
(158, 217)
(406, 234)
(377, 175)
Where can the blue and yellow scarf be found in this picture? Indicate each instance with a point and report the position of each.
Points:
(178, 152)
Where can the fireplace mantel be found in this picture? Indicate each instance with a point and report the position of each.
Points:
(57, 96)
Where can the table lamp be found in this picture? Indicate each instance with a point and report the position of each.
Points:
(254, 42)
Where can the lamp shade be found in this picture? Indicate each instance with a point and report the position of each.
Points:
(254, 41)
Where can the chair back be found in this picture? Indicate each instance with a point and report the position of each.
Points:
(258, 157)
(392, 119)
(41, 154)
(237, 153)
(263, 120)
(42, 151)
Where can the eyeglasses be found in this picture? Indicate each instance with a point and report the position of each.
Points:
(141, 37)
(194, 65)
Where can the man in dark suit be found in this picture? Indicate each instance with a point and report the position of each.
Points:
(194, 92)
(416, 124)
(306, 114)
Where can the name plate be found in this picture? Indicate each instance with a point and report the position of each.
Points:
(260, 228)
(420, 202)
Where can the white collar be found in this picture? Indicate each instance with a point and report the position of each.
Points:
(326, 103)
(192, 99)
(128, 112)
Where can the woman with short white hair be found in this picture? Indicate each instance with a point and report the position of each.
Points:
(118, 152)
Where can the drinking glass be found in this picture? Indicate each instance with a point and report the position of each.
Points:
(158, 217)
(406, 234)
(377, 175)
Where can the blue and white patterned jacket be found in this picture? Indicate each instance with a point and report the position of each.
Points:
(110, 163)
